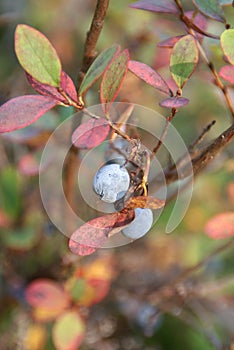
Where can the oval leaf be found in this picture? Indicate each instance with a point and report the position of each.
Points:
(226, 40)
(68, 331)
(81, 249)
(150, 76)
(145, 202)
(184, 59)
(221, 226)
(37, 56)
(66, 84)
(158, 6)
(91, 133)
(22, 111)
(170, 42)
(113, 78)
(94, 233)
(210, 8)
(174, 102)
(98, 67)
(227, 73)
(47, 294)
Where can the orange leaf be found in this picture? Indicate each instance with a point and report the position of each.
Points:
(145, 202)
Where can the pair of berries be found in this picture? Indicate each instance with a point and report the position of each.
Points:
(111, 183)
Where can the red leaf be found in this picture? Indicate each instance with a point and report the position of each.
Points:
(221, 226)
(65, 83)
(91, 133)
(29, 165)
(101, 288)
(170, 42)
(47, 294)
(94, 233)
(23, 111)
(199, 24)
(113, 79)
(174, 102)
(4, 219)
(150, 76)
(80, 249)
(159, 6)
(68, 86)
(227, 73)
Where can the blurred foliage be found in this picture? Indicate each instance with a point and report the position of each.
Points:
(32, 248)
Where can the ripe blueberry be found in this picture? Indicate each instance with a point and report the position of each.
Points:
(140, 225)
(111, 182)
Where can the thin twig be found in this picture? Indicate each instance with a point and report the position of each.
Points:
(164, 132)
(201, 136)
(203, 159)
(190, 270)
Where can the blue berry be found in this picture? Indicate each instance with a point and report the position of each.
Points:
(140, 225)
(111, 182)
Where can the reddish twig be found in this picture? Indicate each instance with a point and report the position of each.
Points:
(210, 65)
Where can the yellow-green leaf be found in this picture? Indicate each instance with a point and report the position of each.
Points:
(227, 44)
(184, 59)
(37, 56)
(68, 331)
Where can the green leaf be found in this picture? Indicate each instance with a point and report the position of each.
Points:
(113, 78)
(68, 331)
(10, 192)
(78, 289)
(98, 67)
(227, 44)
(23, 239)
(184, 59)
(37, 56)
(210, 8)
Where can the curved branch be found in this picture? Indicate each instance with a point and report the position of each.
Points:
(204, 158)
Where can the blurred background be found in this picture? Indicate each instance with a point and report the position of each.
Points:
(199, 312)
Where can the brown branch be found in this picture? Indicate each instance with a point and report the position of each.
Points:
(204, 158)
(190, 270)
(92, 36)
(201, 136)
